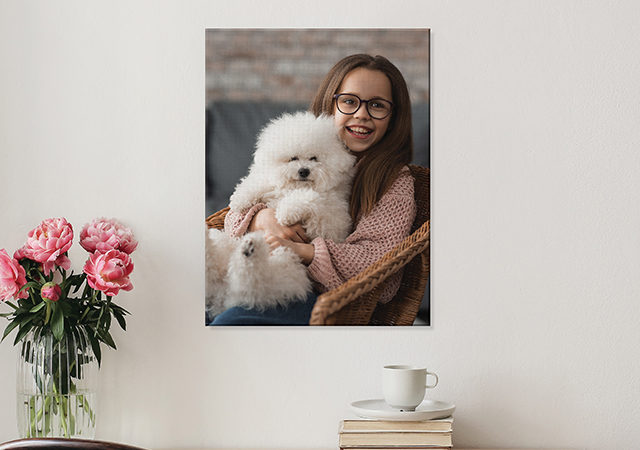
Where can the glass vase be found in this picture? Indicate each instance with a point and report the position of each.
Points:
(56, 385)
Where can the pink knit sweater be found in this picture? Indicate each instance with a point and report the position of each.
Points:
(385, 227)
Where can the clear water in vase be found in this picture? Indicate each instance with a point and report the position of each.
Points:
(63, 415)
(56, 385)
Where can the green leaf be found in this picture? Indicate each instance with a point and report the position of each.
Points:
(100, 316)
(37, 308)
(66, 307)
(35, 273)
(107, 339)
(106, 320)
(9, 329)
(31, 284)
(57, 323)
(24, 329)
(24, 318)
(95, 345)
(121, 320)
(120, 309)
(48, 313)
(75, 282)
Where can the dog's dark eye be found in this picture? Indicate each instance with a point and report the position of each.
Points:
(313, 158)
(295, 158)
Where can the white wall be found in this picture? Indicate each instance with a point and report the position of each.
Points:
(536, 212)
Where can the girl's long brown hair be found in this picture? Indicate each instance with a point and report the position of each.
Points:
(380, 166)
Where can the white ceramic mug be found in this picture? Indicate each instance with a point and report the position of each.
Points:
(404, 387)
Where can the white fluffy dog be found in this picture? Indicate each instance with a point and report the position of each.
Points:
(301, 169)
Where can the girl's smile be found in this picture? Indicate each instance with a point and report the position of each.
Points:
(360, 131)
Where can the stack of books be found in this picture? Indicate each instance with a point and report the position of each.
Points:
(387, 434)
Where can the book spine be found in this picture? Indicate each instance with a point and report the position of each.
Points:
(422, 447)
(372, 440)
(361, 426)
(372, 431)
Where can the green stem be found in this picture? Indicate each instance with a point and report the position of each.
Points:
(11, 304)
(39, 418)
(33, 416)
(84, 314)
(64, 404)
(48, 314)
(62, 408)
(84, 403)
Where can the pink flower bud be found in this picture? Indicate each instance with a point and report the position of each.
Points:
(51, 291)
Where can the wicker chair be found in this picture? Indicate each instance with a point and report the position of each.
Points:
(64, 444)
(356, 301)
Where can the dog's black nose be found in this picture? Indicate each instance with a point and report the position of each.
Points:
(303, 172)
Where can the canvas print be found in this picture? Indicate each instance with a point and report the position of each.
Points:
(317, 177)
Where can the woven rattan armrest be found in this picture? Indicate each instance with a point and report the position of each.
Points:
(216, 220)
(330, 303)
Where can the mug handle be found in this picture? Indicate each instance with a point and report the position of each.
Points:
(431, 386)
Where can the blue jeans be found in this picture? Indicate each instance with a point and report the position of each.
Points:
(297, 313)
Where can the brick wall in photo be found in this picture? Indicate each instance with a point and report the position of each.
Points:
(289, 64)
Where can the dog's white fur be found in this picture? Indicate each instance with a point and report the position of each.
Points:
(290, 146)
(301, 169)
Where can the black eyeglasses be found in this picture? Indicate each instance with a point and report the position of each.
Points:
(350, 104)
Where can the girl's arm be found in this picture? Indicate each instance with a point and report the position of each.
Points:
(261, 218)
(236, 224)
(385, 227)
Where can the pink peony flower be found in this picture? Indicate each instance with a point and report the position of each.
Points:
(61, 261)
(109, 272)
(21, 253)
(102, 235)
(48, 243)
(12, 277)
(51, 291)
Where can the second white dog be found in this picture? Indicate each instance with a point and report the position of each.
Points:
(301, 169)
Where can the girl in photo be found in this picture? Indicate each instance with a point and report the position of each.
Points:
(369, 101)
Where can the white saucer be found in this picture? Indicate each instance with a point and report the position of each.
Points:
(379, 409)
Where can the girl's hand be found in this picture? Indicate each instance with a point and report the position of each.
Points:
(304, 251)
(265, 220)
